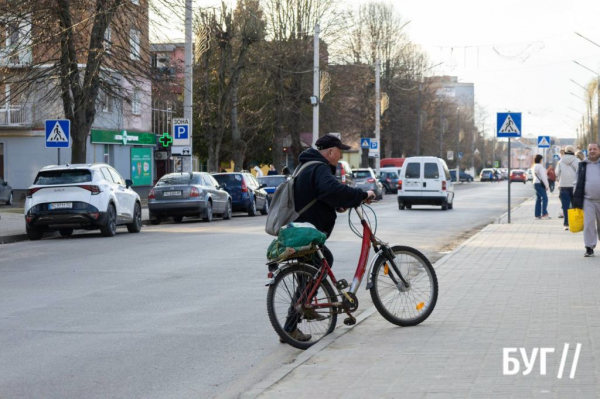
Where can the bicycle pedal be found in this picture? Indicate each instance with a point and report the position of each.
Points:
(350, 321)
(341, 284)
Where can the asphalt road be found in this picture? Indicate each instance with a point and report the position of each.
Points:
(178, 311)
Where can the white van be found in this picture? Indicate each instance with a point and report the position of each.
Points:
(425, 181)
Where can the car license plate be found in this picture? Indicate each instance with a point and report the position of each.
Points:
(171, 193)
(60, 205)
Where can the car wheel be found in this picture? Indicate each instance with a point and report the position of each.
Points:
(10, 199)
(33, 233)
(227, 215)
(265, 209)
(408, 206)
(445, 205)
(66, 232)
(110, 228)
(252, 210)
(136, 225)
(401, 206)
(177, 219)
(208, 215)
(386, 190)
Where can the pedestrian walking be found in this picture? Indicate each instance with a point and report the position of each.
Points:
(540, 183)
(566, 173)
(259, 172)
(272, 171)
(587, 197)
(551, 177)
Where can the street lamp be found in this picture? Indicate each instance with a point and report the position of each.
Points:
(598, 89)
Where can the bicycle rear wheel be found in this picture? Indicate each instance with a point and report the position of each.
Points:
(290, 288)
(400, 305)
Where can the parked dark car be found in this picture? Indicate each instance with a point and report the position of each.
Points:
(389, 177)
(463, 176)
(6, 193)
(194, 194)
(272, 182)
(247, 194)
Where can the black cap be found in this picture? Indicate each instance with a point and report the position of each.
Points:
(330, 141)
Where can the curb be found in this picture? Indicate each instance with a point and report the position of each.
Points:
(14, 238)
(286, 369)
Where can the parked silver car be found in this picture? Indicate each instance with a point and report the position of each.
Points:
(195, 194)
(6, 193)
(365, 179)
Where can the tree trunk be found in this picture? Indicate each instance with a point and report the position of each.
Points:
(238, 144)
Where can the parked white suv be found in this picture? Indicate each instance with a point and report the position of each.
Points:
(89, 197)
(425, 181)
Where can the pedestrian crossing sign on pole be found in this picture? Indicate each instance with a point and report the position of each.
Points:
(544, 142)
(365, 143)
(58, 133)
(508, 124)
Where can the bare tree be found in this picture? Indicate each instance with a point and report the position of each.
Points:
(77, 49)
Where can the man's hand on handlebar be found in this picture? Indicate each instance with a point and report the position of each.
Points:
(371, 196)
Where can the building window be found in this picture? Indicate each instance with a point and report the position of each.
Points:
(106, 100)
(136, 103)
(106, 154)
(134, 41)
(107, 38)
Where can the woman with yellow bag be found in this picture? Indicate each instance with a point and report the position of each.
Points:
(587, 197)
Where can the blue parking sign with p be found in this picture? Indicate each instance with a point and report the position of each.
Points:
(181, 132)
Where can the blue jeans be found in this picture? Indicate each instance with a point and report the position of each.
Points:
(541, 200)
(566, 198)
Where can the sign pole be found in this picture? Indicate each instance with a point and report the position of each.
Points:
(58, 156)
(509, 180)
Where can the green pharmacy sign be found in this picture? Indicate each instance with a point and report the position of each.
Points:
(166, 140)
(123, 137)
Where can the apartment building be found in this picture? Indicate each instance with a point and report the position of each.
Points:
(121, 134)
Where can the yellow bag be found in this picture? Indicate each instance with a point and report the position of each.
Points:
(575, 220)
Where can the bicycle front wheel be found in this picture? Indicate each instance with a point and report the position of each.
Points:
(400, 305)
(299, 326)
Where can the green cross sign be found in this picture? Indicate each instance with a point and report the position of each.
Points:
(166, 140)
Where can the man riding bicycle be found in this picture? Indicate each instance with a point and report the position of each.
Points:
(318, 181)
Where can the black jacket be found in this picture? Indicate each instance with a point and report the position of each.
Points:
(318, 181)
(579, 186)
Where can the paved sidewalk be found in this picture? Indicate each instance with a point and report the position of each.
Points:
(523, 285)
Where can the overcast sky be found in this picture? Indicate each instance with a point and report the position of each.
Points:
(519, 54)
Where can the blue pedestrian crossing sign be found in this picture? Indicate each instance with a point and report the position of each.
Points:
(508, 124)
(365, 143)
(58, 133)
(460, 155)
(544, 142)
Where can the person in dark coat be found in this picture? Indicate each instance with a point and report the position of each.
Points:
(317, 181)
(272, 171)
(285, 171)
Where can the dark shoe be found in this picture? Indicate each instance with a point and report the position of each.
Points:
(589, 252)
(311, 314)
(298, 336)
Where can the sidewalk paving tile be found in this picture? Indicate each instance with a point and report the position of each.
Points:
(522, 285)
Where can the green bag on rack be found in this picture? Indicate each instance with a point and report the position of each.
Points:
(295, 238)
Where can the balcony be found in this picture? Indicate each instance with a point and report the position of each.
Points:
(16, 115)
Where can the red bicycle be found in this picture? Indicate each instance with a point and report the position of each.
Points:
(303, 306)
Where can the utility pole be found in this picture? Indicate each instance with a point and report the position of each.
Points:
(187, 95)
(419, 121)
(441, 126)
(377, 112)
(316, 86)
(473, 132)
(457, 144)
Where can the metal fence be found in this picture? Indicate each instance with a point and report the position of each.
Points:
(16, 115)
